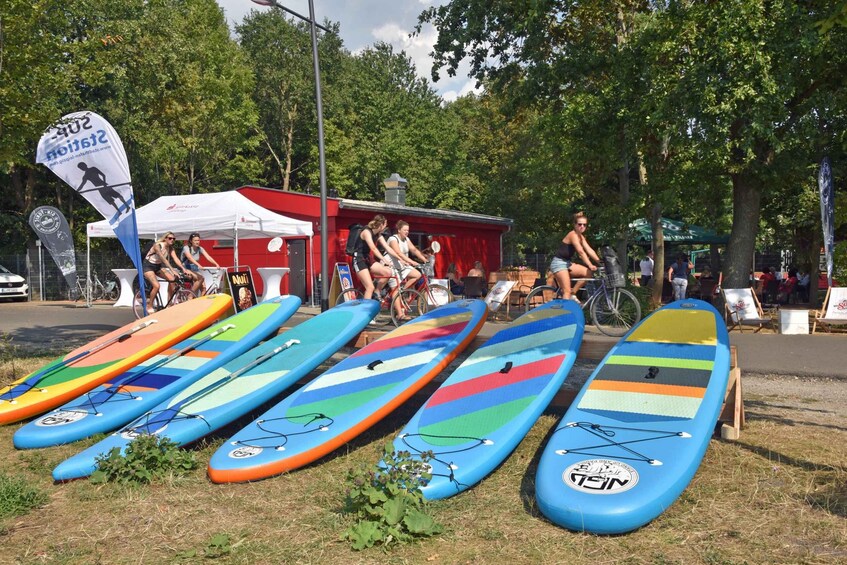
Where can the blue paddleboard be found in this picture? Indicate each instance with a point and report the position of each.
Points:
(636, 433)
(241, 385)
(349, 398)
(134, 392)
(479, 414)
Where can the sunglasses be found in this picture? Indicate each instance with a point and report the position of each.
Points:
(583, 224)
(170, 238)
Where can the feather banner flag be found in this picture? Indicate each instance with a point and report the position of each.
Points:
(827, 215)
(85, 151)
(53, 231)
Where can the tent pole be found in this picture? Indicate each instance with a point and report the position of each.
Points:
(87, 270)
(235, 258)
(312, 270)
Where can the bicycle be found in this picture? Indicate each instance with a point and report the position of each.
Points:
(409, 301)
(99, 291)
(613, 310)
(182, 294)
(435, 294)
(214, 286)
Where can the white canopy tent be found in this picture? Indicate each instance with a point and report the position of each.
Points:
(222, 215)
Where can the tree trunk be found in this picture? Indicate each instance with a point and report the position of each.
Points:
(623, 198)
(289, 148)
(746, 207)
(658, 281)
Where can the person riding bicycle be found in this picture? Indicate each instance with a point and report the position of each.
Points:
(157, 263)
(190, 257)
(574, 244)
(402, 247)
(367, 267)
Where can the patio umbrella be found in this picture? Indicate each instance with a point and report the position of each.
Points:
(676, 232)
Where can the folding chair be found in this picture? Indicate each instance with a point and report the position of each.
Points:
(743, 309)
(833, 310)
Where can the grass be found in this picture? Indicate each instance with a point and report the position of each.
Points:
(778, 495)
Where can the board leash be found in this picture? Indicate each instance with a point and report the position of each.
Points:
(17, 389)
(451, 476)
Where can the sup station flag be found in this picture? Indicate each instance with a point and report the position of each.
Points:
(85, 151)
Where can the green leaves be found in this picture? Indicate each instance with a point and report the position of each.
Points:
(147, 457)
(387, 501)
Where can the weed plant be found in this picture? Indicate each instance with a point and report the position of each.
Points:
(18, 497)
(147, 457)
(387, 501)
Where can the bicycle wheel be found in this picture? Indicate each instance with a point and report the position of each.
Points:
(438, 295)
(412, 304)
(182, 295)
(138, 305)
(615, 311)
(540, 295)
(348, 296)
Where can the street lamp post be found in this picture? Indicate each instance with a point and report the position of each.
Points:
(321, 155)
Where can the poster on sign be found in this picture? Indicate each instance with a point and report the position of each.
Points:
(243, 292)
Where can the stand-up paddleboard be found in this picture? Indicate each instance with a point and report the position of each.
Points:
(90, 365)
(243, 384)
(134, 392)
(636, 433)
(350, 397)
(479, 414)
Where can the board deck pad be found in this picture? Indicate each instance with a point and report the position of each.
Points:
(484, 409)
(350, 397)
(243, 384)
(636, 434)
(92, 364)
(140, 388)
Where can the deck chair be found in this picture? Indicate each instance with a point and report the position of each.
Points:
(833, 310)
(499, 295)
(474, 287)
(743, 309)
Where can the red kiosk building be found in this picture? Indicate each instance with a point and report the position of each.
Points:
(464, 237)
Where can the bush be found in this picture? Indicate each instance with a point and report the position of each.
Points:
(147, 457)
(388, 502)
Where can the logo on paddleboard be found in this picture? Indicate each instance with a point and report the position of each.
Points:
(600, 476)
(245, 452)
(61, 418)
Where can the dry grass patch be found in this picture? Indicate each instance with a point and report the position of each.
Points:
(779, 495)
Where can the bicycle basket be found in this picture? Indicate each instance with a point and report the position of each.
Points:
(615, 277)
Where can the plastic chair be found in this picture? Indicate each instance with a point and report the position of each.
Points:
(475, 287)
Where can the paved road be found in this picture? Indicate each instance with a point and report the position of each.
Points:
(60, 326)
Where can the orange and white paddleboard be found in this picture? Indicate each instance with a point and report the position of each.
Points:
(95, 363)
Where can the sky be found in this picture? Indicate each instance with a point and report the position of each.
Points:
(365, 22)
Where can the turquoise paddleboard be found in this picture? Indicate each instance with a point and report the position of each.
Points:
(134, 392)
(241, 385)
(479, 414)
(349, 398)
(636, 434)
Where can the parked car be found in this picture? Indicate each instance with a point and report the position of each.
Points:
(12, 285)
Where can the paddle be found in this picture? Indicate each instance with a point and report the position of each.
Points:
(176, 354)
(217, 384)
(38, 377)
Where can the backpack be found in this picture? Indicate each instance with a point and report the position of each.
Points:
(353, 238)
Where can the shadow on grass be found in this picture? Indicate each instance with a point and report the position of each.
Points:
(832, 498)
(528, 480)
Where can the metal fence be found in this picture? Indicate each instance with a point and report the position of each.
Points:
(46, 281)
